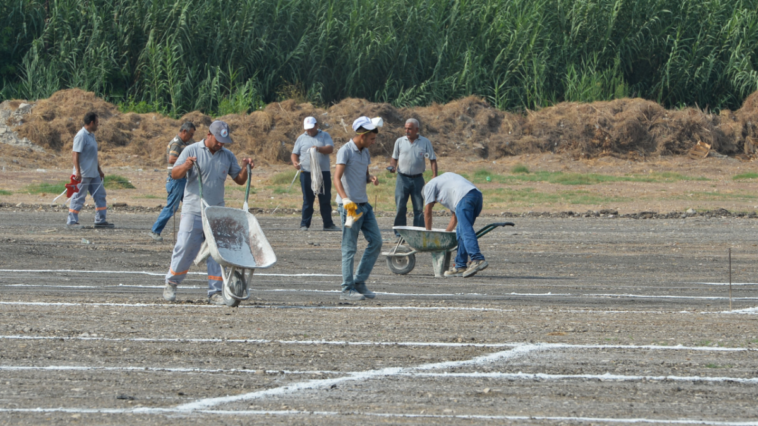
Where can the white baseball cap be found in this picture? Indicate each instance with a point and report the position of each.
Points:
(309, 123)
(364, 122)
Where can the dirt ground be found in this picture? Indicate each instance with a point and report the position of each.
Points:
(576, 321)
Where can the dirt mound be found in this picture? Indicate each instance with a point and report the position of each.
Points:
(466, 128)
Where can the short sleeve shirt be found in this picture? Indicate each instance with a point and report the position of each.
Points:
(215, 168)
(447, 189)
(303, 145)
(356, 163)
(411, 156)
(86, 146)
(175, 148)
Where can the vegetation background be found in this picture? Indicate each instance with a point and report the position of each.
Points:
(226, 56)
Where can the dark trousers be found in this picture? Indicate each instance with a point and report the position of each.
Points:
(324, 200)
(409, 187)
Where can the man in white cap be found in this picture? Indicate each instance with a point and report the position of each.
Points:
(350, 179)
(320, 141)
(409, 160)
(465, 203)
(216, 162)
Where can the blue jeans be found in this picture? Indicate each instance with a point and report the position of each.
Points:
(175, 189)
(367, 224)
(405, 187)
(466, 212)
(324, 200)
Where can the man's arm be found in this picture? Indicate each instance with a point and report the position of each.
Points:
(453, 223)
(393, 164)
(326, 150)
(295, 161)
(433, 163)
(370, 178)
(337, 180)
(78, 173)
(172, 159)
(428, 216)
(100, 171)
(180, 171)
(241, 178)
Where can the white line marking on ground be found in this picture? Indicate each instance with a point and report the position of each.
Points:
(157, 274)
(206, 403)
(724, 284)
(172, 411)
(606, 377)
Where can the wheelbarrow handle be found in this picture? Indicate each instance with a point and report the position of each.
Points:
(482, 232)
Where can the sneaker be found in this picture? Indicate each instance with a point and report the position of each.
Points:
(156, 237)
(362, 289)
(216, 299)
(352, 295)
(104, 225)
(169, 292)
(333, 228)
(455, 272)
(73, 226)
(474, 267)
(303, 228)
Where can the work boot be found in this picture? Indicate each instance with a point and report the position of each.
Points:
(303, 228)
(216, 299)
(104, 225)
(333, 228)
(474, 267)
(169, 292)
(156, 237)
(73, 226)
(454, 272)
(362, 289)
(352, 295)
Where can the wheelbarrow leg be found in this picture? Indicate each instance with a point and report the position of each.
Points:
(440, 262)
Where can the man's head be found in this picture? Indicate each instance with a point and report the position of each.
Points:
(411, 128)
(90, 121)
(311, 126)
(218, 136)
(366, 132)
(187, 131)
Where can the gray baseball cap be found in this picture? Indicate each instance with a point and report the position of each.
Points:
(220, 130)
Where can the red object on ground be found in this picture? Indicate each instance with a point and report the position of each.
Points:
(72, 187)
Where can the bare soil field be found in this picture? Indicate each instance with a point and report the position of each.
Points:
(576, 321)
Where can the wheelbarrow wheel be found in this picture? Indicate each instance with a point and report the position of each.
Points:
(237, 285)
(401, 265)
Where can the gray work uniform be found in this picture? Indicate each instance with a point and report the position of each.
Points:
(214, 168)
(411, 163)
(303, 145)
(356, 163)
(447, 189)
(86, 145)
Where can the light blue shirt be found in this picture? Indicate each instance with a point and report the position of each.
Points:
(447, 189)
(86, 146)
(411, 156)
(356, 163)
(303, 145)
(215, 168)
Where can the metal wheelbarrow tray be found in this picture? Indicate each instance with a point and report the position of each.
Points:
(401, 259)
(235, 240)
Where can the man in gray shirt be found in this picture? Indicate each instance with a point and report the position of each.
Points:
(409, 159)
(216, 162)
(314, 139)
(350, 178)
(465, 203)
(87, 171)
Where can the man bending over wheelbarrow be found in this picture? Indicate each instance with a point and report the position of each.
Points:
(465, 203)
(216, 162)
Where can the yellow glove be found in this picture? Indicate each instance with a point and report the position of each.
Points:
(350, 207)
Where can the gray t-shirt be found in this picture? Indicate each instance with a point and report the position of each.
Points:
(356, 163)
(447, 189)
(303, 145)
(215, 168)
(411, 156)
(86, 146)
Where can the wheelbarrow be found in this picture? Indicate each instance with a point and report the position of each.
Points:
(234, 239)
(441, 244)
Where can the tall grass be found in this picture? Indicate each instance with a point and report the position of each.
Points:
(224, 56)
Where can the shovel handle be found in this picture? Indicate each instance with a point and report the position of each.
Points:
(199, 179)
(247, 189)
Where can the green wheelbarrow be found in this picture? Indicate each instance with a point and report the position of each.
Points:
(441, 244)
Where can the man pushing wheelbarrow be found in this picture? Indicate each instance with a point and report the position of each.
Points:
(215, 163)
(465, 203)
